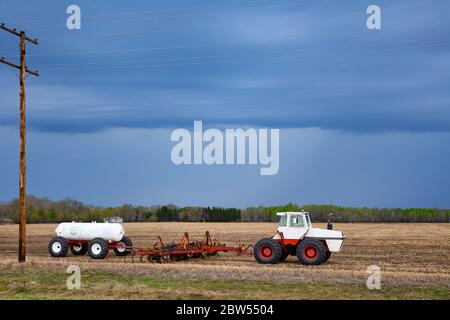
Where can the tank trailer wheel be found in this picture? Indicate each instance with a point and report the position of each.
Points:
(98, 248)
(79, 249)
(58, 247)
(268, 251)
(123, 251)
(311, 252)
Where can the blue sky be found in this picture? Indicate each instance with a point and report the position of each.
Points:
(364, 115)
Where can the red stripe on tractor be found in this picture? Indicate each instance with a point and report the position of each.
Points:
(286, 242)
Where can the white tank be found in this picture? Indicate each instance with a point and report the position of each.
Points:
(89, 231)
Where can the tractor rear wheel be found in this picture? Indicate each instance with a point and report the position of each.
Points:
(268, 251)
(121, 252)
(79, 249)
(58, 247)
(98, 248)
(311, 252)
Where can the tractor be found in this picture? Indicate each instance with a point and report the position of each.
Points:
(296, 237)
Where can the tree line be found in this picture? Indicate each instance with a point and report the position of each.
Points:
(44, 210)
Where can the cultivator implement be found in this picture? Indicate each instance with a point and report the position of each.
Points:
(168, 252)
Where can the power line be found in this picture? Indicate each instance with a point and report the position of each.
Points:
(225, 44)
(140, 32)
(221, 26)
(97, 21)
(226, 4)
(263, 58)
(235, 55)
(224, 26)
(138, 50)
(98, 17)
(210, 45)
(217, 27)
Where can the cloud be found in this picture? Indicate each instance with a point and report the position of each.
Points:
(275, 65)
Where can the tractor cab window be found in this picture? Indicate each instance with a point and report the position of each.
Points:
(296, 221)
(283, 221)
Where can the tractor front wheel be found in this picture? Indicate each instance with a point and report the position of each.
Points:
(268, 251)
(311, 252)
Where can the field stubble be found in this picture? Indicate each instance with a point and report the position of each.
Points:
(412, 255)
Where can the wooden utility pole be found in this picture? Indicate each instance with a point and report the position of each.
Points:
(23, 163)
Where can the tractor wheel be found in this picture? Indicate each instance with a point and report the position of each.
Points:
(311, 252)
(121, 252)
(58, 247)
(98, 248)
(79, 249)
(268, 251)
(327, 256)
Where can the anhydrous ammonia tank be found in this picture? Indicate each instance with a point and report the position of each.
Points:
(90, 231)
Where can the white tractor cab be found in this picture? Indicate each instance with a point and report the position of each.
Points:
(297, 237)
